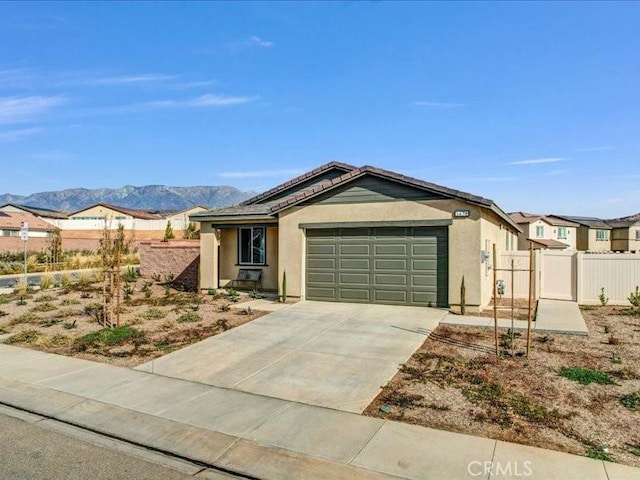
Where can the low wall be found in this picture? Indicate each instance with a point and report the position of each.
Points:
(180, 258)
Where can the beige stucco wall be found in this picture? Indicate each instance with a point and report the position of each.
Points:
(593, 243)
(465, 240)
(228, 241)
(624, 239)
(184, 216)
(100, 211)
(550, 233)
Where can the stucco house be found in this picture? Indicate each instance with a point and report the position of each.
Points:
(348, 234)
(45, 214)
(11, 224)
(545, 231)
(593, 235)
(625, 234)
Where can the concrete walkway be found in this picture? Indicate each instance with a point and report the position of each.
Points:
(553, 316)
(263, 437)
(335, 355)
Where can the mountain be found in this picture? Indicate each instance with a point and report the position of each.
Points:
(149, 197)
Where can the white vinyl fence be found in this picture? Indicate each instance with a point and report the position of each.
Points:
(575, 276)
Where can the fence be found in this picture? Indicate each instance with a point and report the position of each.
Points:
(575, 276)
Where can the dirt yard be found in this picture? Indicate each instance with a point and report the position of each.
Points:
(575, 394)
(155, 320)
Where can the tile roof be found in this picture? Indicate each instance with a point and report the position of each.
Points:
(591, 222)
(548, 242)
(559, 221)
(141, 214)
(13, 221)
(39, 211)
(527, 218)
(624, 221)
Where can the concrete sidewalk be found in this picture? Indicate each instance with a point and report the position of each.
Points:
(553, 316)
(259, 436)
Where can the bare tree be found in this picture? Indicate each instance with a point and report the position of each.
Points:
(113, 246)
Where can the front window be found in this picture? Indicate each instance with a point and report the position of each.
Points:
(251, 246)
(540, 231)
(602, 235)
(562, 232)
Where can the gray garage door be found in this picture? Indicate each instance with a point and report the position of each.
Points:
(392, 265)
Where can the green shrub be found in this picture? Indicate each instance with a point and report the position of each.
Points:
(110, 337)
(604, 299)
(634, 297)
(24, 336)
(585, 376)
(599, 453)
(631, 400)
(69, 301)
(44, 298)
(189, 317)
(44, 307)
(153, 314)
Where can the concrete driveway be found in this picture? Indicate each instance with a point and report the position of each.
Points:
(335, 355)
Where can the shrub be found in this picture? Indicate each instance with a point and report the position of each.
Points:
(631, 401)
(585, 376)
(84, 280)
(599, 453)
(189, 317)
(24, 336)
(46, 282)
(153, 314)
(603, 298)
(25, 318)
(44, 307)
(109, 337)
(69, 301)
(65, 281)
(44, 298)
(634, 298)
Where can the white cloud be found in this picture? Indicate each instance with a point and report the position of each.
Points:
(207, 100)
(259, 42)
(595, 149)
(9, 136)
(23, 109)
(139, 79)
(537, 161)
(261, 173)
(437, 105)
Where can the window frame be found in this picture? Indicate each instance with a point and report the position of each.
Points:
(565, 231)
(638, 234)
(602, 235)
(539, 231)
(251, 236)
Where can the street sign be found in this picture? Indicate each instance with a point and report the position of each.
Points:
(24, 231)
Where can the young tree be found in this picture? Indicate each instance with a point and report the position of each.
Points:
(168, 232)
(192, 232)
(54, 245)
(111, 250)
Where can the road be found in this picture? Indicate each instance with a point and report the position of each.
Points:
(32, 452)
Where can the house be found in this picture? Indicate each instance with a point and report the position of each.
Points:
(545, 231)
(593, 234)
(10, 225)
(44, 214)
(625, 234)
(342, 233)
(180, 219)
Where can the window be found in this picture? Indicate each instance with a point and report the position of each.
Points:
(540, 231)
(637, 234)
(602, 235)
(251, 246)
(562, 232)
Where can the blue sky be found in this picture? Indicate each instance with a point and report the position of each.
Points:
(535, 105)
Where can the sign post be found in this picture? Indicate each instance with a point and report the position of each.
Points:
(24, 235)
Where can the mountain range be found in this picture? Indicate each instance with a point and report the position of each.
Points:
(149, 197)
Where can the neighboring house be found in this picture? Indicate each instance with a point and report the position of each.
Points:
(625, 234)
(45, 214)
(180, 219)
(342, 233)
(545, 231)
(594, 234)
(10, 224)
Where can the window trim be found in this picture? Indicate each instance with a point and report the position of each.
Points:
(239, 234)
(638, 234)
(566, 233)
(540, 228)
(602, 235)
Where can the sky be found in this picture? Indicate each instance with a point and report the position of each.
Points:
(534, 105)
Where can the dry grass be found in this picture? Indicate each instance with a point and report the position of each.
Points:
(453, 382)
(61, 321)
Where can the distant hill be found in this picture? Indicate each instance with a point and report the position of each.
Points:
(149, 197)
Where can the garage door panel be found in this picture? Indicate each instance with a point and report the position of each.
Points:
(355, 279)
(403, 266)
(358, 249)
(322, 249)
(390, 279)
(390, 249)
(360, 294)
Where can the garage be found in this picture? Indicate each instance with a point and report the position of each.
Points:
(388, 265)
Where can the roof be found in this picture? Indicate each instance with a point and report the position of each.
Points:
(625, 221)
(141, 214)
(548, 243)
(591, 222)
(13, 221)
(173, 213)
(252, 207)
(38, 211)
(528, 218)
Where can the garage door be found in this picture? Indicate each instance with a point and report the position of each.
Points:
(398, 266)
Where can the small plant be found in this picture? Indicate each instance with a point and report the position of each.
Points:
(156, 277)
(600, 453)
(3, 313)
(46, 282)
(169, 278)
(232, 295)
(604, 299)
(95, 310)
(44, 307)
(20, 287)
(168, 232)
(65, 281)
(585, 376)
(257, 294)
(84, 280)
(167, 290)
(44, 298)
(127, 291)
(631, 400)
(223, 324)
(615, 359)
(69, 325)
(110, 336)
(153, 314)
(613, 340)
(21, 300)
(130, 275)
(607, 329)
(224, 307)
(24, 336)
(212, 292)
(634, 298)
(189, 317)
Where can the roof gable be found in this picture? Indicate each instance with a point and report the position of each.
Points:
(141, 214)
(326, 172)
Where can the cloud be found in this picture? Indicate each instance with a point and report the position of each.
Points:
(15, 77)
(595, 149)
(138, 79)
(207, 100)
(23, 109)
(259, 42)
(554, 173)
(437, 105)
(537, 161)
(17, 135)
(263, 173)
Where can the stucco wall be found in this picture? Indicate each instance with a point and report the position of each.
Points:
(593, 244)
(177, 258)
(100, 211)
(465, 239)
